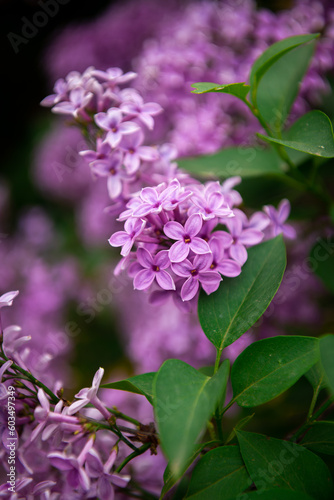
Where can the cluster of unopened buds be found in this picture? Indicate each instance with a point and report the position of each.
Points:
(178, 234)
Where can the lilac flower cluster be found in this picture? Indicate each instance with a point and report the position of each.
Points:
(168, 58)
(174, 226)
(54, 439)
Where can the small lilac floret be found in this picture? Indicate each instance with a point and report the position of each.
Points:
(76, 474)
(221, 263)
(154, 268)
(125, 239)
(111, 167)
(211, 203)
(134, 152)
(113, 76)
(89, 395)
(79, 99)
(186, 238)
(197, 272)
(112, 122)
(278, 218)
(143, 111)
(154, 199)
(243, 237)
(96, 470)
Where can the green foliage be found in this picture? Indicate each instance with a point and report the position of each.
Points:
(269, 367)
(242, 161)
(244, 421)
(271, 55)
(279, 494)
(316, 376)
(320, 438)
(327, 359)
(140, 384)
(221, 473)
(274, 463)
(279, 85)
(239, 302)
(184, 400)
(236, 89)
(311, 134)
(171, 479)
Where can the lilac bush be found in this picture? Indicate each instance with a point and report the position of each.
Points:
(184, 244)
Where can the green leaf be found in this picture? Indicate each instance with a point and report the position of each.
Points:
(320, 438)
(269, 367)
(237, 89)
(327, 359)
(279, 86)
(273, 463)
(311, 134)
(316, 376)
(246, 162)
(244, 421)
(140, 384)
(280, 494)
(239, 302)
(170, 480)
(271, 55)
(221, 473)
(322, 260)
(184, 400)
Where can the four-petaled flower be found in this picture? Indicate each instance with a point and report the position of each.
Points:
(154, 268)
(76, 474)
(111, 168)
(113, 124)
(143, 111)
(154, 199)
(187, 238)
(221, 263)
(211, 205)
(96, 470)
(278, 218)
(125, 239)
(197, 272)
(79, 99)
(134, 152)
(242, 236)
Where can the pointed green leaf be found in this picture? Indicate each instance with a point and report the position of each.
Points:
(320, 438)
(311, 134)
(236, 89)
(327, 359)
(239, 302)
(269, 367)
(246, 162)
(274, 463)
(322, 259)
(279, 86)
(140, 384)
(184, 400)
(271, 55)
(221, 473)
